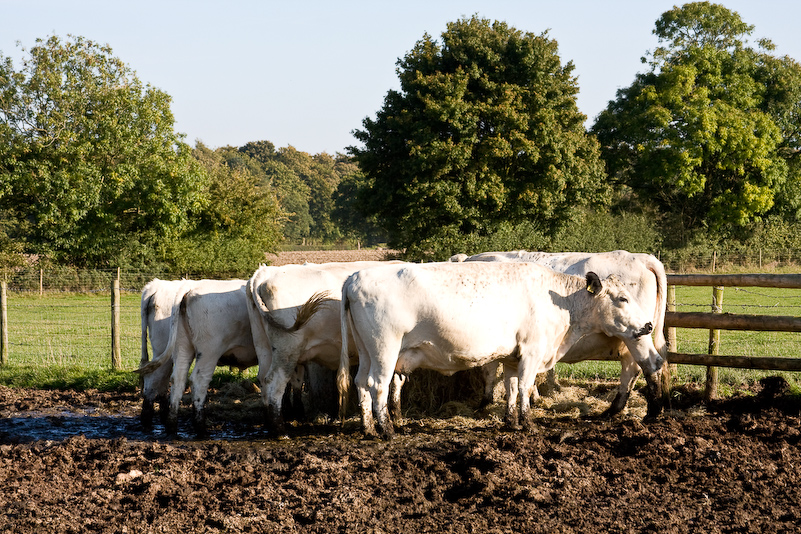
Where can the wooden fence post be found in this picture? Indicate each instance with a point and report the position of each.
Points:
(670, 336)
(116, 358)
(711, 390)
(4, 322)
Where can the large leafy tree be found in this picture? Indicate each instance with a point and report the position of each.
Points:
(483, 133)
(89, 163)
(293, 194)
(700, 135)
(305, 185)
(239, 223)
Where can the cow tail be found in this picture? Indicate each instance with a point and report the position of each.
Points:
(305, 312)
(147, 303)
(660, 342)
(343, 374)
(254, 295)
(176, 316)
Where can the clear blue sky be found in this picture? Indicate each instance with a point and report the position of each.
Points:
(305, 73)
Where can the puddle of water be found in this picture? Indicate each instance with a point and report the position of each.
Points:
(35, 427)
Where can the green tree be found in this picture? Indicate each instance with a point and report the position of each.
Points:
(240, 221)
(698, 135)
(319, 181)
(90, 166)
(484, 132)
(347, 216)
(305, 186)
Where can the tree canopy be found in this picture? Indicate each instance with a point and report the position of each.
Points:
(304, 184)
(700, 135)
(93, 174)
(89, 161)
(238, 223)
(484, 133)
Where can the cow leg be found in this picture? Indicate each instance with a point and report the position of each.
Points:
(398, 380)
(363, 383)
(628, 375)
(180, 369)
(653, 395)
(155, 388)
(294, 409)
(148, 411)
(511, 385)
(490, 374)
(273, 397)
(200, 380)
(527, 376)
(382, 380)
(163, 397)
(322, 396)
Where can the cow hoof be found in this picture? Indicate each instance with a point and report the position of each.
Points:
(164, 409)
(611, 412)
(199, 424)
(529, 427)
(171, 425)
(369, 436)
(653, 412)
(512, 423)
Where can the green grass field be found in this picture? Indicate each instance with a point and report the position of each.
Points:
(64, 340)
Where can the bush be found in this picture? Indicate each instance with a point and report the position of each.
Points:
(594, 232)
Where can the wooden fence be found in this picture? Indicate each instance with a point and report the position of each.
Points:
(716, 320)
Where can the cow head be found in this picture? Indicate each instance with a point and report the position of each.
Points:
(617, 314)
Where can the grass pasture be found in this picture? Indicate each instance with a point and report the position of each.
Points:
(64, 340)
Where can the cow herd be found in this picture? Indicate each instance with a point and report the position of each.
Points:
(520, 310)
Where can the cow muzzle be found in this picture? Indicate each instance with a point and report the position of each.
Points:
(644, 331)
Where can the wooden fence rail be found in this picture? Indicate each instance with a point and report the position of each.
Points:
(716, 321)
(787, 281)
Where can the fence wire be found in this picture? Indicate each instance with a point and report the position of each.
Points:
(71, 330)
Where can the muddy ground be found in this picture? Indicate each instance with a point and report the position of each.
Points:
(80, 462)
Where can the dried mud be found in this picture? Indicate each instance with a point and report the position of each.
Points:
(87, 466)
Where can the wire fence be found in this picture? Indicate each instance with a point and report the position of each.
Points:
(71, 329)
(759, 259)
(71, 280)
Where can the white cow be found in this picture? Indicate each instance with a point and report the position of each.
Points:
(454, 316)
(158, 299)
(295, 318)
(645, 276)
(211, 326)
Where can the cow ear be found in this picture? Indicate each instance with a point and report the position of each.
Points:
(594, 285)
